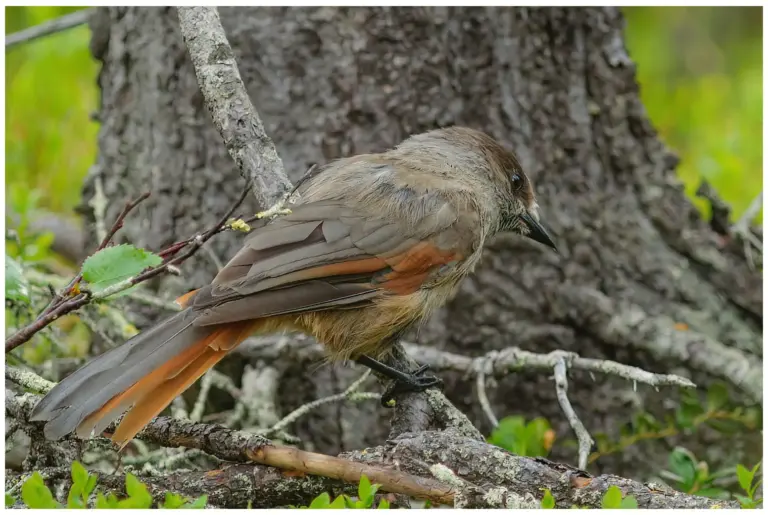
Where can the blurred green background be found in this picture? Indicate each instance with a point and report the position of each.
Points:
(700, 69)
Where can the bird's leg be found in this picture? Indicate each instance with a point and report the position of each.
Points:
(402, 382)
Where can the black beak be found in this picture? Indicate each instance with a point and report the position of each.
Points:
(537, 232)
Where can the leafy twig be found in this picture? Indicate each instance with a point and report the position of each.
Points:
(64, 303)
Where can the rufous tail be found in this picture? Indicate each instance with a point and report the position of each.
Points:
(141, 376)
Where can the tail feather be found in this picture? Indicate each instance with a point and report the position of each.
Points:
(151, 394)
(93, 386)
(122, 401)
(153, 403)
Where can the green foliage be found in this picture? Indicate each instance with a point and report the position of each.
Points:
(83, 484)
(749, 485)
(614, 499)
(705, 97)
(365, 497)
(548, 501)
(36, 494)
(712, 408)
(16, 286)
(689, 475)
(51, 89)
(24, 244)
(111, 265)
(524, 439)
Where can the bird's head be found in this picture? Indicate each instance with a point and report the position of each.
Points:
(499, 172)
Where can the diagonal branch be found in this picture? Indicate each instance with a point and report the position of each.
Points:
(60, 24)
(230, 106)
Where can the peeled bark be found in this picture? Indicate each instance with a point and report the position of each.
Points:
(641, 278)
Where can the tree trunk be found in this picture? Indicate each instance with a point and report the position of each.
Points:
(641, 278)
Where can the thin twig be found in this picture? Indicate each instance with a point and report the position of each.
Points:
(60, 24)
(582, 435)
(172, 256)
(116, 226)
(482, 395)
(199, 407)
(349, 393)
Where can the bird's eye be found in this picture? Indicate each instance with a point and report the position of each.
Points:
(517, 181)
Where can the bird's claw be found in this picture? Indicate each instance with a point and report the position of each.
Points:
(416, 382)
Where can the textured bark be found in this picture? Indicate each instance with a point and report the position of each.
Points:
(558, 87)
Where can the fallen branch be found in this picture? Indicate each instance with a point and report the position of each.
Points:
(237, 446)
(60, 24)
(259, 485)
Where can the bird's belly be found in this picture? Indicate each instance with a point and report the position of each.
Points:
(347, 334)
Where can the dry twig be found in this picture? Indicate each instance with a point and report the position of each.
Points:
(62, 23)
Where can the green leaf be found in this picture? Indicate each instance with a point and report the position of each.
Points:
(745, 502)
(90, 485)
(745, 477)
(36, 495)
(201, 502)
(111, 265)
(138, 495)
(9, 501)
(717, 396)
(612, 498)
(510, 435)
(321, 501)
(40, 248)
(173, 501)
(74, 498)
(547, 502)
(338, 503)
(79, 474)
(629, 503)
(683, 464)
(384, 504)
(102, 503)
(534, 434)
(755, 485)
(16, 287)
(714, 493)
(364, 488)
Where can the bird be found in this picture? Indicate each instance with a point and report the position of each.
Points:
(375, 244)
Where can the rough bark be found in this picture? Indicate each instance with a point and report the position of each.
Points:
(558, 87)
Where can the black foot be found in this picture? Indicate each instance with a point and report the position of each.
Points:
(402, 382)
(416, 381)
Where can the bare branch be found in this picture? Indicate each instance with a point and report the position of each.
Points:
(484, 368)
(231, 109)
(60, 24)
(582, 435)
